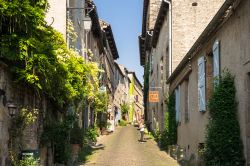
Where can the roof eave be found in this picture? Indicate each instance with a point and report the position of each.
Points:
(111, 41)
(142, 50)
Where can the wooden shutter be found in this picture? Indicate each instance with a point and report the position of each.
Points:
(216, 61)
(201, 84)
(177, 104)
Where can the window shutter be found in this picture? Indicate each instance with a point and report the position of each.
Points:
(201, 84)
(177, 104)
(216, 60)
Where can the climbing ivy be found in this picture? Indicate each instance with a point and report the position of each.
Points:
(101, 102)
(172, 125)
(146, 87)
(38, 54)
(20, 122)
(223, 145)
(169, 135)
(57, 134)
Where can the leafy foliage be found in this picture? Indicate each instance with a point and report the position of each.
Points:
(58, 134)
(22, 120)
(123, 123)
(172, 125)
(169, 135)
(76, 134)
(124, 108)
(101, 102)
(91, 134)
(28, 161)
(39, 55)
(223, 146)
(146, 86)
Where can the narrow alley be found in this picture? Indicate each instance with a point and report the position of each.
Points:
(122, 148)
(77, 76)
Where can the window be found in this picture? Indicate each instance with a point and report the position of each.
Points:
(216, 61)
(157, 72)
(136, 98)
(151, 63)
(177, 104)
(161, 66)
(201, 84)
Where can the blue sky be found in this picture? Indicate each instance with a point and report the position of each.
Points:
(125, 17)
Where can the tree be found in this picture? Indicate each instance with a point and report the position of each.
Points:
(124, 109)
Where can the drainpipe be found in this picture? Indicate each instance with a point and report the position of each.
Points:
(67, 19)
(170, 35)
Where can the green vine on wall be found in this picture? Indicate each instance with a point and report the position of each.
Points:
(146, 87)
(38, 54)
(169, 135)
(39, 57)
(223, 145)
(21, 121)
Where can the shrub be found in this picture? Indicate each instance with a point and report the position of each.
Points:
(28, 161)
(91, 134)
(124, 109)
(157, 134)
(76, 134)
(123, 123)
(164, 140)
(223, 145)
(84, 154)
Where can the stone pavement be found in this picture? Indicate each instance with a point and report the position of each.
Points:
(122, 148)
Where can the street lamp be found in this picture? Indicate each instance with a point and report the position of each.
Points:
(12, 109)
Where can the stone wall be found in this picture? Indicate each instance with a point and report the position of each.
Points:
(153, 9)
(189, 19)
(24, 98)
(57, 15)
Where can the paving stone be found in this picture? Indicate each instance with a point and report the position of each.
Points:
(122, 148)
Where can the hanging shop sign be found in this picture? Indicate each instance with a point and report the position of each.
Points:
(153, 96)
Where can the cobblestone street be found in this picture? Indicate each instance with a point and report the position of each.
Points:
(122, 148)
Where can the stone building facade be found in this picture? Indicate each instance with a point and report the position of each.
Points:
(56, 15)
(108, 65)
(222, 45)
(176, 27)
(121, 90)
(24, 98)
(136, 111)
(189, 19)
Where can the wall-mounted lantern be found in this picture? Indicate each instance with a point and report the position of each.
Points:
(12, 108)
(87, 23)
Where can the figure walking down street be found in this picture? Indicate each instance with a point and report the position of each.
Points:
(141, 131)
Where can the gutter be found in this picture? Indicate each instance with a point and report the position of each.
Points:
(212, 26)
(170, 35)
